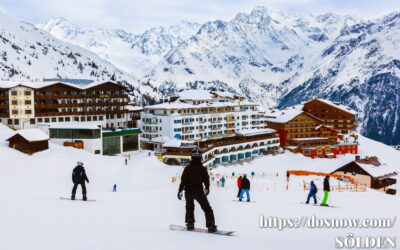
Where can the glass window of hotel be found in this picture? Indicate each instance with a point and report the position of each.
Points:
(14, 112)
(14, 102)
(14, 93)
(32, 121)
(16, 122)
(28, 112)
(28, 102)
(27, 92)
(53, 119)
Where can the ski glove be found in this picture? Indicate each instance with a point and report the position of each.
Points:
(206, 191)
(180, 195)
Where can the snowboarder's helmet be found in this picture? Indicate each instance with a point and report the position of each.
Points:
(79, 163)
(196, 153)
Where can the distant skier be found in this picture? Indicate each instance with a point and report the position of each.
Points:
(192, 180)
(126, 161)
(312, 193)
(115, 188)
(239, 184)
(78, 178)
(326, 191)
(149, 153)
(252, 175)
(245, 185)
(222, 181)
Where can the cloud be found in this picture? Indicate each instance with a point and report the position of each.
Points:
(139, 15)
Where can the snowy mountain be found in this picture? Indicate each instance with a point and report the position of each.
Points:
(136, 54)
(274, 58)
(28, 54)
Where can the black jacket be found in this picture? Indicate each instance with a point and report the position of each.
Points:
(79, 175)
(326, 185)
(245, 183)
(193, 178)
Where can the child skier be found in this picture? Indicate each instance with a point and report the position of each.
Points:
(326, 191)
(312, 193)
(192, 180)
(245, 185)
(78, 178)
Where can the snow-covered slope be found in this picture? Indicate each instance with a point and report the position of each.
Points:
(138, 215)
(134, 53)
(29, 53)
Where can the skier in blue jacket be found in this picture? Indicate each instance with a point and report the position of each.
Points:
(312, 193)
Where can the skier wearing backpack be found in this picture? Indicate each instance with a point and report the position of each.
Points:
(193, 178)
(245, 185)
(312, 193)
(326, 191)
(78, 178)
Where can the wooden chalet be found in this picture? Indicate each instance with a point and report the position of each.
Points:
(334, 114)
(29, 141)
(370, 172)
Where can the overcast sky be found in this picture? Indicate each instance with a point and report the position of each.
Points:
(138, 15)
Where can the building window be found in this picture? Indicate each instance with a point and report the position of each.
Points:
(28, 102)
(83, 119)
(32, 121)
(9, 122)
(94, 118)
(14, 93)
(40, 120)
(16, 122)
(101, 118)
(67, 119)
(28, 112)
(14, 102)
(61, 119)
(89, 118)
(14, 112)
(27, 93)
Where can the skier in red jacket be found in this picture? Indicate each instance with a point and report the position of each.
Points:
(239, 184)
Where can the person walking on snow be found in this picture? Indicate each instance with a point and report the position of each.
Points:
(222, 180)
(115, 188)
(126, 161)
(312, 193)
(239, 184)
(193, 178)
(78, 178)
(326, 191)
(245, 185)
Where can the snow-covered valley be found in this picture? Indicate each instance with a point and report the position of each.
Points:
(137, 216)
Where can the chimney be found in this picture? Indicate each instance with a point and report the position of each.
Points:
(358, 158)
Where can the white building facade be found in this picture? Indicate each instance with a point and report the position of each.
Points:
(201, 114)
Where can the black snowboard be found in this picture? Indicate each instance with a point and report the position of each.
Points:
(63, 198)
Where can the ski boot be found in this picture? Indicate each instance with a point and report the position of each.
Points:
(212, 229)
(190, 226)
(72, 197)
(84, 198)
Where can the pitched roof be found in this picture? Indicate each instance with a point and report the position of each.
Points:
(33, 134)
(39, 85)
(336, 105)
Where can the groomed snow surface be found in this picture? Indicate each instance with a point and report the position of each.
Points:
(138, 215)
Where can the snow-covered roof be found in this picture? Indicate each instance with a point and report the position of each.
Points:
(170, 105)
(74, 125)
(225, 94)
(33, 134)
(133, 108)
(338, 105)
(250, 132)
(175, 143)
(38, 85)
(376, 171)
(161, 139)
(283, 116)
(310, 139)
(195, 94)
(5, 132)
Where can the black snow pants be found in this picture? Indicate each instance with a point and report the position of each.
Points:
(76, 186)
(201, 198)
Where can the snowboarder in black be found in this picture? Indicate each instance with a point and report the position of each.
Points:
(193, 177)
(78, 178)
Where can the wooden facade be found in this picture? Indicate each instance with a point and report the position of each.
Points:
(362, 176)
(341, 119)
(303, 126)
(28, 147)
(58, 99)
